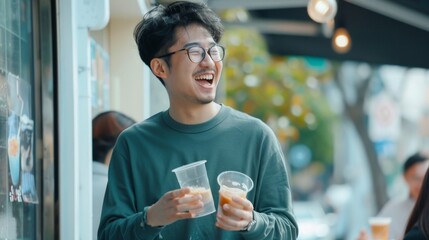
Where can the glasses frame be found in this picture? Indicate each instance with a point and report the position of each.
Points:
(203, 55)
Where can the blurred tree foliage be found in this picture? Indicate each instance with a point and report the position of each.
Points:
(285, 92)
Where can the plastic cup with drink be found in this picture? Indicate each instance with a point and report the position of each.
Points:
(379, 228)
(194, 176)
(231, 184)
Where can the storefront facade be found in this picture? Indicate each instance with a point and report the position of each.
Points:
(27, 126)
(48, 95)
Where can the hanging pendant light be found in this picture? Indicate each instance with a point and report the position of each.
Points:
(341, 41)
(322, 11)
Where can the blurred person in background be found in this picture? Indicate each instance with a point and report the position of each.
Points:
(418, 223)
(399, 209)
(106, 128)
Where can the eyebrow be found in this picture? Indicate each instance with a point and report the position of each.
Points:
(193, 44)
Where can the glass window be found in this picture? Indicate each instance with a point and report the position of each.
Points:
(18, 192)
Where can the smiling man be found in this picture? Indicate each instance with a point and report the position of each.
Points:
(143, 200)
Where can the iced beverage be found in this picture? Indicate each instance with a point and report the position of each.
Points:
(194, 176)
(233, 184)
(226, 194)
(379, 228)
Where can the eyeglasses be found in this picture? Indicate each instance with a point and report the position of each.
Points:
(197, 54)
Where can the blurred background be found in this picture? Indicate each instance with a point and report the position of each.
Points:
(347, 116)
(346, 92)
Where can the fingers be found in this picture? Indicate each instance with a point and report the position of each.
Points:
(183, 201)
(233, 226)
(188, 206)
(245, 203)
(235, 216)
(177, 193)
(189, 198)
(183, 204)
(184, 215)
(175, 205)
(189, 203)
(236, 219)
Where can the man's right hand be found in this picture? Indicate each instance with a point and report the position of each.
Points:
(363, 235)
(174, 205)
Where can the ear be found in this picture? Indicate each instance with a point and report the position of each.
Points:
(159, 67)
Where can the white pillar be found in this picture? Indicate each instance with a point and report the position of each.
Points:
(84, 135)
(68, 150)
(74, 111)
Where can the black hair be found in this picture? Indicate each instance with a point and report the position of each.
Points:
(414, 159)
(106, 128)
(156, 32)
(420, 213)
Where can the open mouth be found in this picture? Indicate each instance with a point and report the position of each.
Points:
(205, 79)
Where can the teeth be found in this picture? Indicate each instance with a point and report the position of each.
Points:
(205, 77)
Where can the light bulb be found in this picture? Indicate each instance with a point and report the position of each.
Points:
(322, 11)
(341, 41)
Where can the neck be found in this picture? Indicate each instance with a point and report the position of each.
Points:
(194, 114)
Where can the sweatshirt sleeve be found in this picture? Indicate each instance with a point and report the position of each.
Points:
(273, 198)
(272, 226)
(120, 218)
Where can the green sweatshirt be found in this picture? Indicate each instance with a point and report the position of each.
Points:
(140, 174)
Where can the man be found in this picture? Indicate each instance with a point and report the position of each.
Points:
(143, 199)
(399, 209)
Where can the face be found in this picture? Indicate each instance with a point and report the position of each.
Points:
(190, 83)
(414, 177)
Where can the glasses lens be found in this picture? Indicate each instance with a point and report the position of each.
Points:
(196, 54)
(217, 53)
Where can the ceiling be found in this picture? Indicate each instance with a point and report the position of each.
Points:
(382, 31)
(125, 9)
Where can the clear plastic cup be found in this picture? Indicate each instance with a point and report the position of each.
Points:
(379, 228)
(194, 176)
(231, 184)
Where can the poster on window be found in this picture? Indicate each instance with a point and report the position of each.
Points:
(99, 63)
(20, 142)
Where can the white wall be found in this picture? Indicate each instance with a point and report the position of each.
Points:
(126, 69)
(133, 88)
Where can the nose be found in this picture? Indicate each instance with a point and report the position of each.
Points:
(207, 59)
